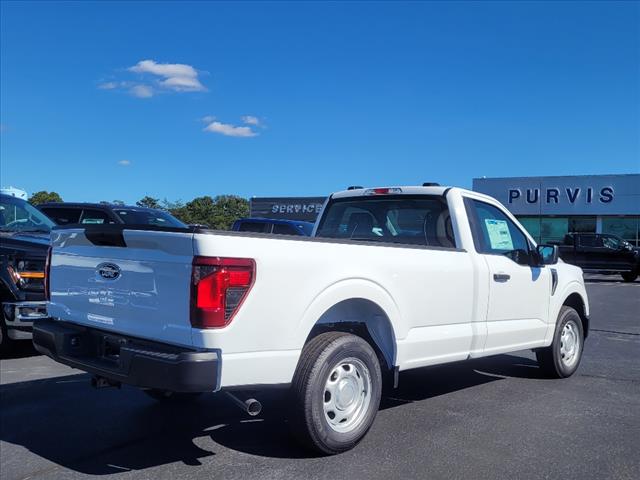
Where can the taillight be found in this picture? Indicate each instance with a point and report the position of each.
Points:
(47, 274)
(218, 288)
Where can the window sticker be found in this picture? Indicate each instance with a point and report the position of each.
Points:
(499, 234)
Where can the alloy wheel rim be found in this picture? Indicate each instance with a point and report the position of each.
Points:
(347, 395)
(570, 344)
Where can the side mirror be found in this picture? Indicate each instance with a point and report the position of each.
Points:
(547, 254)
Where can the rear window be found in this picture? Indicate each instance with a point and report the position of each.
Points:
(415, 220)
(156, 218)
(63, 216)
(284, 229)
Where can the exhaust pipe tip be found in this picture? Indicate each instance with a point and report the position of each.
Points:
(254, 407)
(251, 406)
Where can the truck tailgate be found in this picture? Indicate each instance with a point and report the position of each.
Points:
(134, 282)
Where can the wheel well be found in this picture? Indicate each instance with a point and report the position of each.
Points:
(575, 301)
(365, 319)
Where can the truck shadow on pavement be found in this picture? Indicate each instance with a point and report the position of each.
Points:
(64, 421)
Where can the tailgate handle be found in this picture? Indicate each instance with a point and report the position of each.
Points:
(501, 277)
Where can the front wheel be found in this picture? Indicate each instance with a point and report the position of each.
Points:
(629, 276)
(336, 392)
(562, 357)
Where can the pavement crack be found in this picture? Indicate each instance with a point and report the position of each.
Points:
(614, 331)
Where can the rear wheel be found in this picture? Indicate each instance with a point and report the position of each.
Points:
(169, 396)
(336, 392)
(629, 276)
(562, 357)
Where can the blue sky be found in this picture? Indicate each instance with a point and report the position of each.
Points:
(115, 100)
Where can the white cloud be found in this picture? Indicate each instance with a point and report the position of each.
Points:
(141, 91)
(251, 120)
(229, 130)
(124, 163)
(154, 78)
(108, 85)
(208, 119)
(176, 76)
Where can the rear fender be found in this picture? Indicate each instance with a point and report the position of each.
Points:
(356, 300)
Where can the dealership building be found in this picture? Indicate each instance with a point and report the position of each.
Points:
(548, 207)
(551, 207)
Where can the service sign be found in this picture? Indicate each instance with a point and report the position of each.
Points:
(287, 208)
(577, 195)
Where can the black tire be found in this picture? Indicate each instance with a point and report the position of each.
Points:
(6, 344)
(629, 276)
(167, 396)
(553, 360)
(347, 360)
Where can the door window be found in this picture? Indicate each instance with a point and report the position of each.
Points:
(612, 242)
(494, 232)
(591, 241)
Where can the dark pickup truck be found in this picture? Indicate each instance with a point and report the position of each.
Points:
(24, 242)
(602, 253)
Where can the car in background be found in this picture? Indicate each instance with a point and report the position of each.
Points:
(272, 225)
(601, 253)
(64, 213)
(24, 242)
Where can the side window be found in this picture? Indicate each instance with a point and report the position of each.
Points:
(494, 232)
(611, 242)
(257, 227)
(95, 217)
(63, 216)
(591, 241)
(283, 229)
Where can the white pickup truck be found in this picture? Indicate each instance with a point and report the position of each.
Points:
(392, 279)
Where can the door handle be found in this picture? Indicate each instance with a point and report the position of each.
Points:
(501, 277)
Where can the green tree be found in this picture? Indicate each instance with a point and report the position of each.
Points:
(228, 209)
(44, 197)
(219, 212)
(148, 202)
(118, 202)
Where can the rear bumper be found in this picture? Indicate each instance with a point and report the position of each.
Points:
(19, 318)
(128, 360)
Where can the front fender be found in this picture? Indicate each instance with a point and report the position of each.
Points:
(560, 299)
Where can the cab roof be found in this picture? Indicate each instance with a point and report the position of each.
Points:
(393, 190)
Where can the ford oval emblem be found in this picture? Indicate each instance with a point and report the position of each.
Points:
(108, 271)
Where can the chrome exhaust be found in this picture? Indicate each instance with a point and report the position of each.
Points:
(250, 406)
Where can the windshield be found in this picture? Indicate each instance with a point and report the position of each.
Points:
(132, 216)
(16, 215)
(417, 220)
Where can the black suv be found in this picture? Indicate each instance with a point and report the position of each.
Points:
(103, 213)
(24, 242)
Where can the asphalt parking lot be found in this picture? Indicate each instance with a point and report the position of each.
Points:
(490, 418)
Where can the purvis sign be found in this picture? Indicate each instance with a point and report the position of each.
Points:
(575, 195)
(553, 195)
